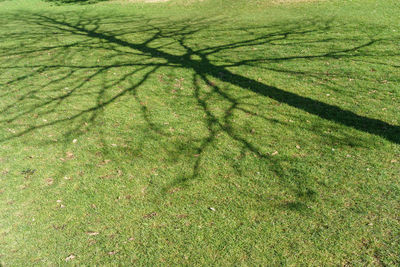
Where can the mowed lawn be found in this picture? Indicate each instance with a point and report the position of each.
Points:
(200, 133)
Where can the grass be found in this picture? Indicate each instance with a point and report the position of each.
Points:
(200, 133)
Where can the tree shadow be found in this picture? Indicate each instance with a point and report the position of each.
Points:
(156, 44)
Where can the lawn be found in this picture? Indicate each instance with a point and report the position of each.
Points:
(200, 133)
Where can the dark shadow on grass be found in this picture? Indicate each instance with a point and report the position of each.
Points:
(203, 67)
(155, 52)
(82, 2)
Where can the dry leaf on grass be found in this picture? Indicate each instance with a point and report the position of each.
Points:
(150, 215)
(70, 257)
(104, 162)
(92, 233)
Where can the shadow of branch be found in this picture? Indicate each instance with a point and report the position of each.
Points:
(169, 45)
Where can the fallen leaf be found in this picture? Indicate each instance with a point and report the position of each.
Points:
(393, 161)
(112, 252)
(150, 215)
(70, 257)
(92, 233)
(274, 153)
(49, 181)
(104, 162)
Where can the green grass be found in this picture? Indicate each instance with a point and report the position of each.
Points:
(200, 133)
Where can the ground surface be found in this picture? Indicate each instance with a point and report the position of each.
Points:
(201, 133)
